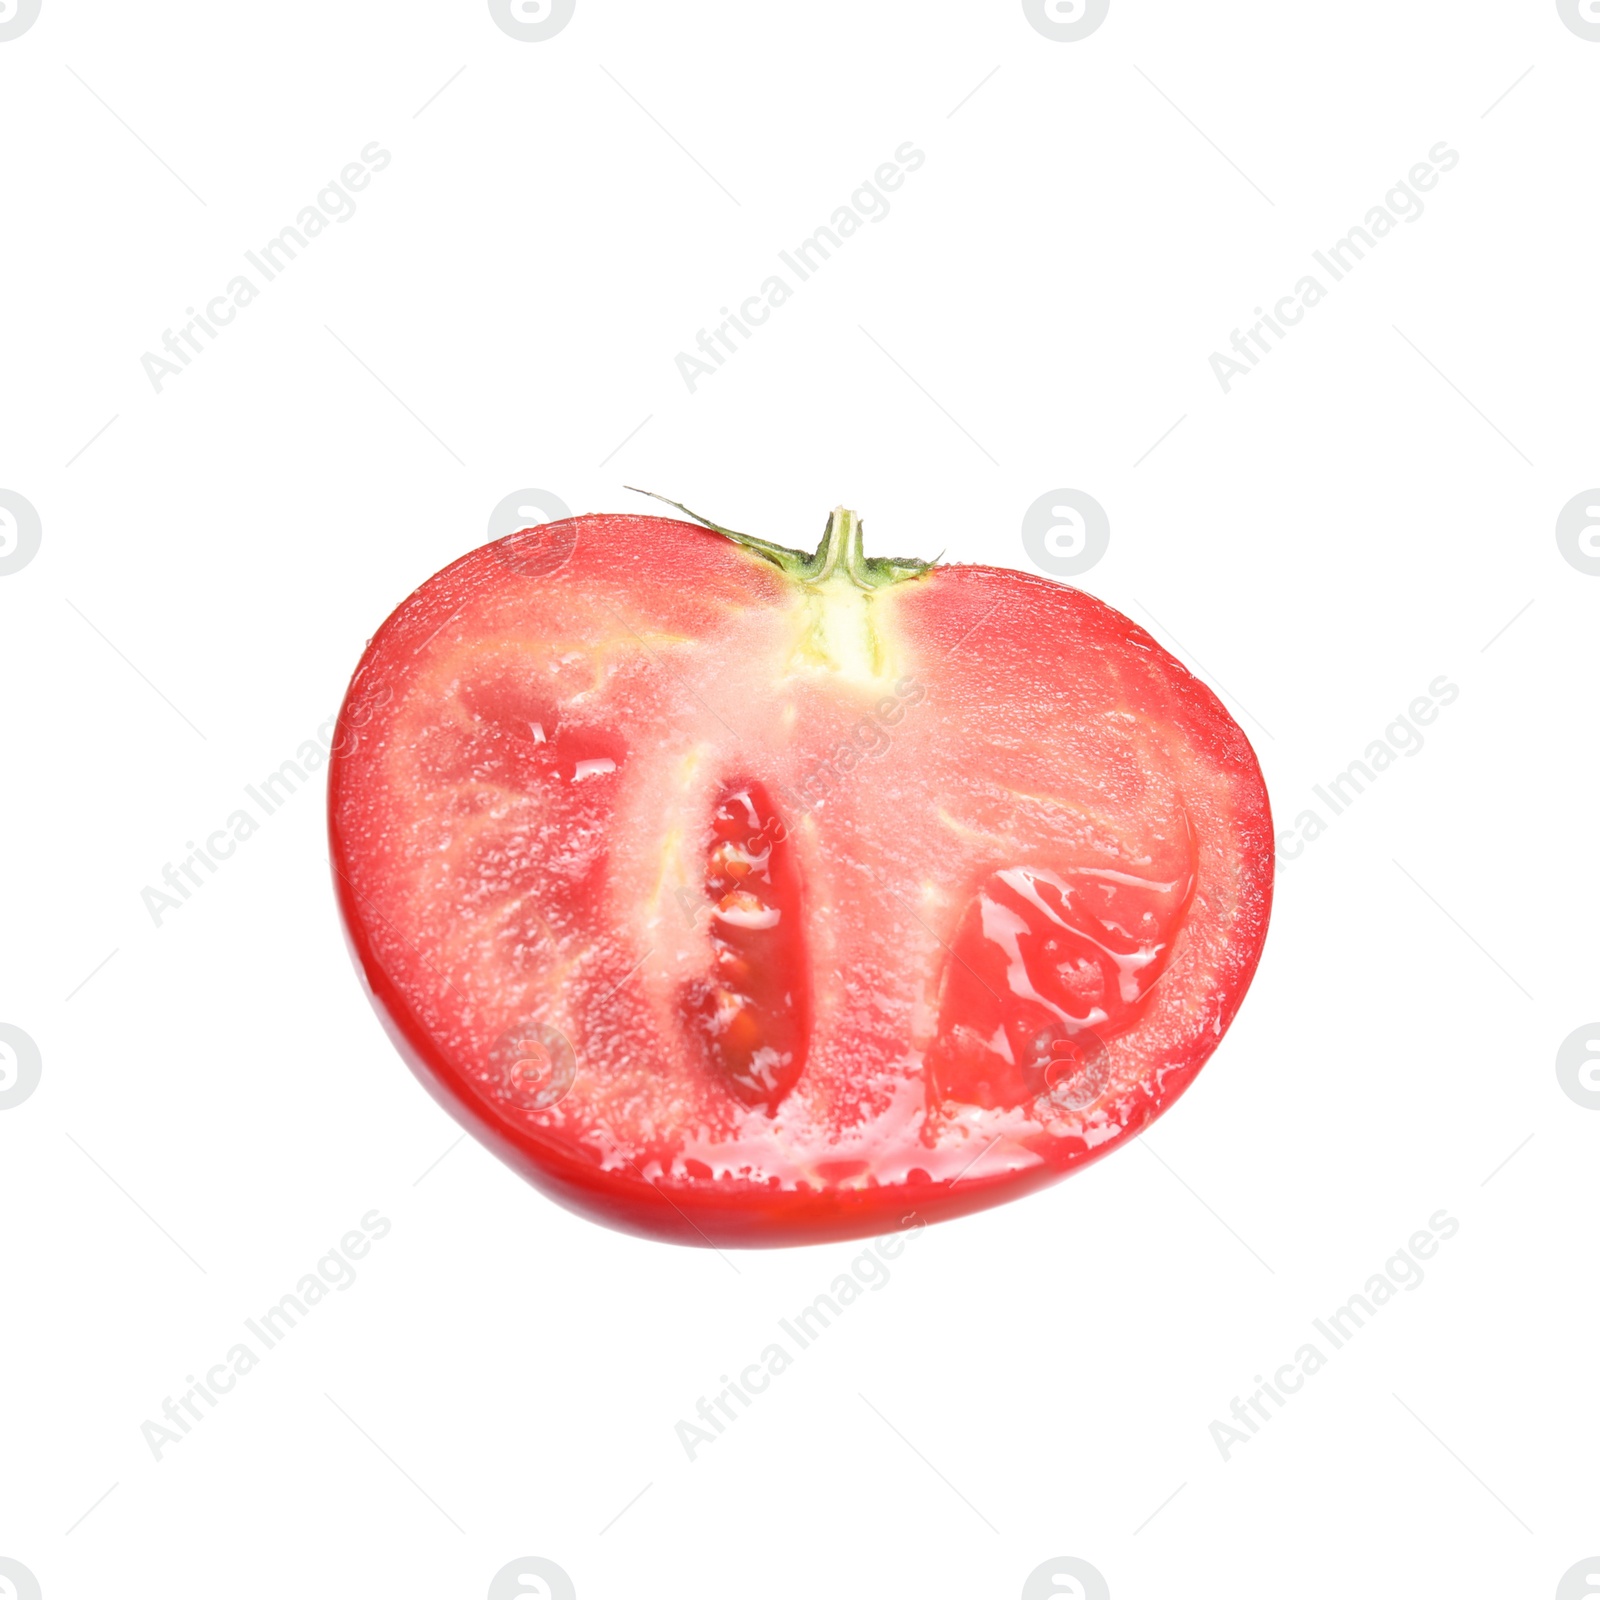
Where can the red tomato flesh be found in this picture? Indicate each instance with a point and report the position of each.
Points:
(735, 902)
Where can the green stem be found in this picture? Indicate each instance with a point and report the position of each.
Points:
(839, 557)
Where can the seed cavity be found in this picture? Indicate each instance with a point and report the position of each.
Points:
(1044, 969)
(751, 1011)
(530, 1067)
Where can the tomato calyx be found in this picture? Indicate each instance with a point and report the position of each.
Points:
(839, 558)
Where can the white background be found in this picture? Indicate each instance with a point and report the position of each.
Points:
(1368, 510)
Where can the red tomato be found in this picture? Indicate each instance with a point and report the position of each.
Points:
(739, 896)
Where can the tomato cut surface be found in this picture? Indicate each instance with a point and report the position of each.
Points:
(741, 897)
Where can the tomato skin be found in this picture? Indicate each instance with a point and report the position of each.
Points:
(689, 1207)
